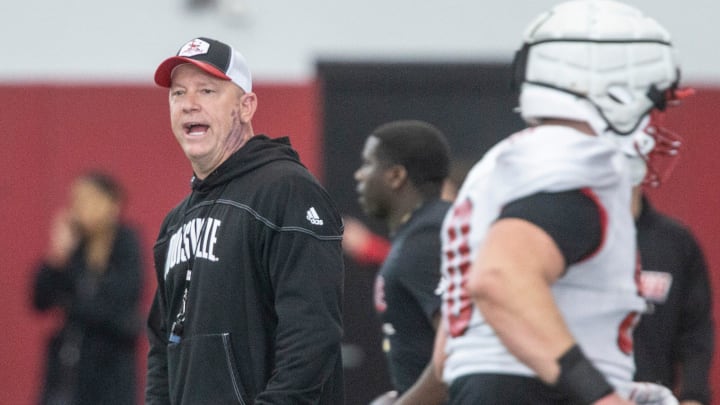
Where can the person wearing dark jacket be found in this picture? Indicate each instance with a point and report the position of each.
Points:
(674, 341)
(249, 265)
(92, 272)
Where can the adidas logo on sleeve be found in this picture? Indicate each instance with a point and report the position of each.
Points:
(313, 217)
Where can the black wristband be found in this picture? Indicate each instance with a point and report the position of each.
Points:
(579, 378)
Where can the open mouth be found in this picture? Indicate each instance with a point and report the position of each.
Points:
(195, 129)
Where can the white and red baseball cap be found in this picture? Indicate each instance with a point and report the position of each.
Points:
(212, 56)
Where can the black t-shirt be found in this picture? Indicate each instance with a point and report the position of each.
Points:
(405, 296)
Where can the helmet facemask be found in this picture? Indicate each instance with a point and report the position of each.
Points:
(661, 160)
(656, 147)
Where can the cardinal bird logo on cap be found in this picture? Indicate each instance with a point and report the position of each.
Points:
(194, 47)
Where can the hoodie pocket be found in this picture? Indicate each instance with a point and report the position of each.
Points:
(202, 370)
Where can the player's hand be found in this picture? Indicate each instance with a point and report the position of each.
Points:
(645, 393)
(64, 240)
(385, 399)
(355, 236)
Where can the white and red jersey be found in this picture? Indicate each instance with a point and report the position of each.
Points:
(597, 296)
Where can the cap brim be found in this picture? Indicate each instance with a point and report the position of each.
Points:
(163, 74)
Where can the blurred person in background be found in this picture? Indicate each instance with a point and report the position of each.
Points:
(92, 272)
(674, 339)
(404, 167)
(364, 246)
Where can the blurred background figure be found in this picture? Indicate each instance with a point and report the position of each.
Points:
(92, 273)
(674, 340)
(366, 247)
(404, 166)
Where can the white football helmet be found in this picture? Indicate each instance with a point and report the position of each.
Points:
(602, 62)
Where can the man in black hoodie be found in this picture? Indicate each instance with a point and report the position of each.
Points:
(249, 265)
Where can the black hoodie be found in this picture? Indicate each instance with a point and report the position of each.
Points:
(674, 341)
(263, 314)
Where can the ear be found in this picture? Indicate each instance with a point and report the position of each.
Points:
(248, 106)
(397, 176)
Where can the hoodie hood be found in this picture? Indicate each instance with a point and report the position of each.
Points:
(258, 151)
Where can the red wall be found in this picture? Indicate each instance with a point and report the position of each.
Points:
(52, 133)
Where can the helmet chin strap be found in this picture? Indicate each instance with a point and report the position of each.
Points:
(637, 143)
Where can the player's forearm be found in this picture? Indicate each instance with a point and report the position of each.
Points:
(510, 281)
(532, 329)
(523, 314)
(427, 390)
